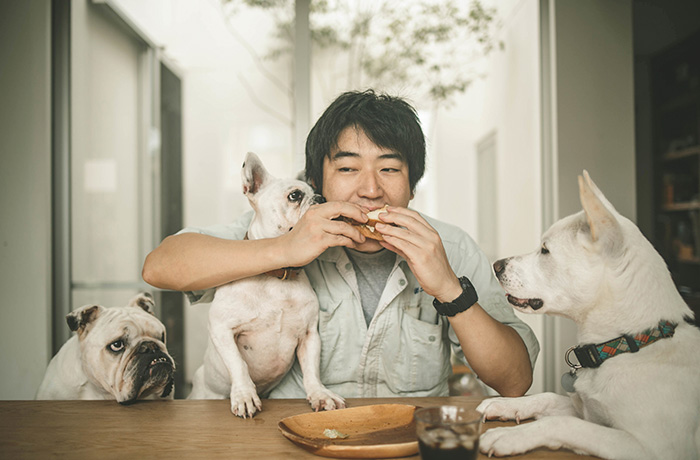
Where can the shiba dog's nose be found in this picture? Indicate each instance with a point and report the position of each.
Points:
(499, 266)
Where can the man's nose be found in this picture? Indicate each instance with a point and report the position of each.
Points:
(370, 185)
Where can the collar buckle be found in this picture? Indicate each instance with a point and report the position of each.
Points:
(588, 355)
(574, 367)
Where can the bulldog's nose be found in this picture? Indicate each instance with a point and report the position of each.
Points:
(499, 266)
(147, 347)
(318, 199)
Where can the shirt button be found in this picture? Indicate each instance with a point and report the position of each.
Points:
(402, 282)
(431, 338)
(348, 266)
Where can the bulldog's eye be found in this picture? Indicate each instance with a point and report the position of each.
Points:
(544, 249)
(162, 337)
(117, 346)
(295, 196)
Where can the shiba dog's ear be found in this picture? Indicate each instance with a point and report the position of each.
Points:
(604, 226)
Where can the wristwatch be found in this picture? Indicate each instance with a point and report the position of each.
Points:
(466, 299)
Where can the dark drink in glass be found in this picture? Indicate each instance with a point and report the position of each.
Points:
(448, 432)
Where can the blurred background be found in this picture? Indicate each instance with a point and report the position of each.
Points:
(122, 121)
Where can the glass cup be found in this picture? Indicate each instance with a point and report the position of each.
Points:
(448, 432)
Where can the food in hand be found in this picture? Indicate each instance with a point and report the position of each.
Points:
(367, 229)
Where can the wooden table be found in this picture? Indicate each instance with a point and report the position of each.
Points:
(172, 429)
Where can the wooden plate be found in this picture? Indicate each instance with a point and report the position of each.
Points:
(376, 431)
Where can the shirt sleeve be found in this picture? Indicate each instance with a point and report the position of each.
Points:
(233, 231)
(467, 259)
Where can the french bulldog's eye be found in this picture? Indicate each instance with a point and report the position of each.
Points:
(544, 250)
(117, 346)
(295, 196)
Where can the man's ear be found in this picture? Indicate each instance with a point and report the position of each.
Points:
(145, 301)
(81, 318)
(604, 226)
(253, 174)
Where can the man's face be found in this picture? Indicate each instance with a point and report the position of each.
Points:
(360, 172)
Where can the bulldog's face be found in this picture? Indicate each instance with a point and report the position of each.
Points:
(123, 349)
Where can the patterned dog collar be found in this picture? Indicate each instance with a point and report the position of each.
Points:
(592, 355)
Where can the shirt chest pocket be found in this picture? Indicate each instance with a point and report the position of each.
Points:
(419, 361)
(340, 345)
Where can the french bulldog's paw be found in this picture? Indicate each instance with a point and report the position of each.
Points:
(324, 399)
(245, 402)
(504, 409)
(504, 441)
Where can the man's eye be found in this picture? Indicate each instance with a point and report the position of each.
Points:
(295, 196)
(117, 346)
(544, 250)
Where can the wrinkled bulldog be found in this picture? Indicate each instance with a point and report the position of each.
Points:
(117, 353)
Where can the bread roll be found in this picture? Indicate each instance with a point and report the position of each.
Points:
(367, 229)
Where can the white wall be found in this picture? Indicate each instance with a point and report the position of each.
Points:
(593, 111)
(506, 102)
(25, 197)
(594, 115)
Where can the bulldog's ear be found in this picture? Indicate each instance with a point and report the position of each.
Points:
(145, 301)
(253, 174)
(80, 318)
(604, 226)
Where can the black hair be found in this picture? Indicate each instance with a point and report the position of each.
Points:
(389, 122)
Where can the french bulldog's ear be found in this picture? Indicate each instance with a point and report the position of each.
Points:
(81, 317)
(253, 174)
(145, 301)
(604, 226)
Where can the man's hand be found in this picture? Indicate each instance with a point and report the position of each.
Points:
(317, 231)
(421, 246)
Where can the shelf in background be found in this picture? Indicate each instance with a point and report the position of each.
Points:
(682, 153)
(693, 260)
(680, 101)
(688, 206)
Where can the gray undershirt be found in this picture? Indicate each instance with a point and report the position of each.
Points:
(372, 271)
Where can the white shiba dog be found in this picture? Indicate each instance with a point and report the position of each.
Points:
(635, 391)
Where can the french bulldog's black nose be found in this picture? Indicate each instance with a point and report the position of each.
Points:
(499, 266)
(318, 199)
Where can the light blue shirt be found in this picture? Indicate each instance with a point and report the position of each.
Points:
(405, 350)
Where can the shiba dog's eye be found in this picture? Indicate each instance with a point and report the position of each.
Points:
(544, 250)
(295, 196)
(117, 346)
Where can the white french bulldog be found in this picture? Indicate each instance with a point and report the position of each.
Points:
(117, 353)
(257, 323)
(634, 386)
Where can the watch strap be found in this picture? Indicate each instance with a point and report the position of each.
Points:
(466, 299)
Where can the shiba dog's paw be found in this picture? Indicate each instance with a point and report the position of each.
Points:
(512, 440)
(505, 409)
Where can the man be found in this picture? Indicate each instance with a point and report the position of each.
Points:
(391, 311)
